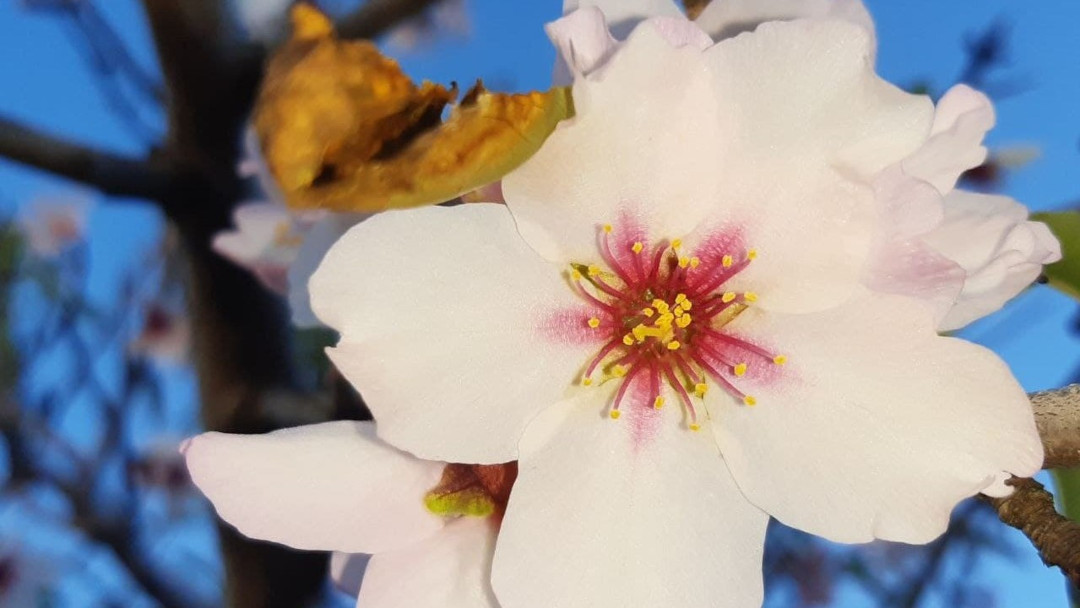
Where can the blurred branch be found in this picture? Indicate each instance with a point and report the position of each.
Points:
(1057, 415)
(108, 172)
(375, 17)
(116, 534)
(1030, 509)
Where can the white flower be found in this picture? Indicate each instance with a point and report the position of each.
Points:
(688, 253)
(53, 224)
(919, 204)
(336, 487)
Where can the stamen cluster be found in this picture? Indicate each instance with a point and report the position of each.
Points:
(662, 314)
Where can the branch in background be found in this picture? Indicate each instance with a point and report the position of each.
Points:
(108, 172)
(375, 17)
(1057, 415)
(1030, 509)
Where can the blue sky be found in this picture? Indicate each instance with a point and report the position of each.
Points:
(48, 85)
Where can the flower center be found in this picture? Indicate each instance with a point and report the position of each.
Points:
(475, 490)
(662, 316)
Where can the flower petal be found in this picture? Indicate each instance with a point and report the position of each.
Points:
(602, 516)
(962, 118)
(330, 486)
(809, 208)
(644, 141)
(624, 15)
(450, 569)
(318, 241)
(999, 249)
(347, 571)
(458, 343)
(877, 427)
(583, 43)
(902, 263)
(728, 18)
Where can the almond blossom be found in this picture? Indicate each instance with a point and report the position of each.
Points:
(678, 323)
(280, 247)
(429, 526)
(53, 224)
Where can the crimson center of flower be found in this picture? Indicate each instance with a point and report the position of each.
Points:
(662, 315)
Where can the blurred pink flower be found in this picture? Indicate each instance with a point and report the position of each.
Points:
(53, 224)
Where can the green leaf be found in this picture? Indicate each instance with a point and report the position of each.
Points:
(1064, 275)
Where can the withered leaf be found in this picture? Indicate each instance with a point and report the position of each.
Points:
(343, 128)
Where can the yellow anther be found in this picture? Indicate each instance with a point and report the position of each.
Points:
(779, 359)
(637, 247)
(727, 297)
(673, 345)
(684, 262)
(594, 270)
(658, 402)
(586, 381)
(628, 340)
(679, 299)
(752, 254)
(740, 369)
(618, 371)
(695, 262)
(676, 244)
(648, 312)
(695, 427)
(575, 274)
(607, 228)
(614, 414)
(750, 296)
(748, 400)
(727, 261)
(661, 306)
(683, 321)
(700, 389)
(687, 305)
(594, 322)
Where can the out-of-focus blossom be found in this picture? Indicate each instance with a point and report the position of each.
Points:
(696, 238)
(52, 225)
(161, 466)
(266, 241)
(429, 527)
(165, 335)
(279, 246)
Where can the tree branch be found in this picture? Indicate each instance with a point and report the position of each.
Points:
(108, 172)
(375, 17)
(1057, 415)
(1030, 509)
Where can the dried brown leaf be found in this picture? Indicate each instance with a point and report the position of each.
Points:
(343, 128)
